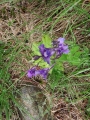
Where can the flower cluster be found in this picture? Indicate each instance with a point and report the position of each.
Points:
(34, 72)
(58, 48)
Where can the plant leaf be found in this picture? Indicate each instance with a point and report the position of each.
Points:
(46, 40)
(35, 48)
(41, 63)
(63, 58)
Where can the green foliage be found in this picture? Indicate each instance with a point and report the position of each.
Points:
(5, 1)
(10, 23)
(87, 109)
(35, 49)
(1, 53)
(41, 63)
(5, 94)
(55, 78)
(74, 56)
(46, 40)
(7, 88)
(85, 57)
(59, 66)
(5, 98)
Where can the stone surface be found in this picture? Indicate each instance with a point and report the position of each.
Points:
(27, 96)
(36, 103)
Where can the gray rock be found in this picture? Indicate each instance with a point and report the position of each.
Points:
(27, 97)
(36, 103)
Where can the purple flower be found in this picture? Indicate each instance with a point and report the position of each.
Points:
(43, 72)
(33, 72)
(60, 47)
(61, 40)
(46, 53)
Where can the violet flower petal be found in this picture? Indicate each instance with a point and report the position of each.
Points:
(60, 47)
(31, 72)
(61, 40)
(34, 72)
(43, 72)
(46, 53)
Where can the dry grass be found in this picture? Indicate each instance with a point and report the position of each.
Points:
(65, 111)
(22, 20)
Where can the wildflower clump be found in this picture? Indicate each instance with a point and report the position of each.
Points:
(49, 55)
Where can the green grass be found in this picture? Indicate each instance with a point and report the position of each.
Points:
(7, 88)
(63, 18)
